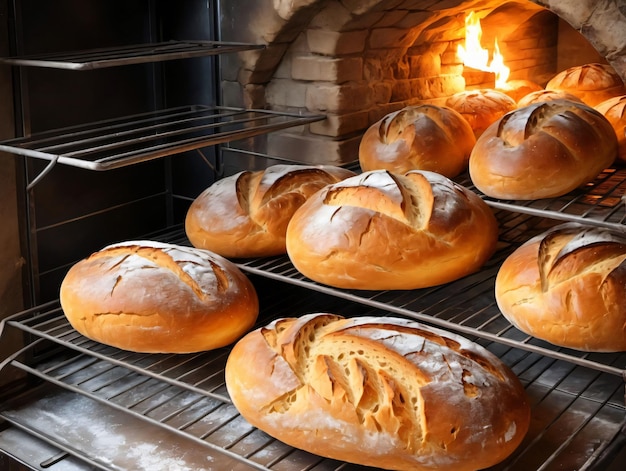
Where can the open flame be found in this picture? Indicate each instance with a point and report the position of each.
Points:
(474, 55)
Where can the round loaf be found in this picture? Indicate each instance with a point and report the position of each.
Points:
(151, 297)
(422, 137)
(592, 83)
(481, 108)
(246, 214)
(378, 391)
(381, 230)
(543, 150)
(546, 95)
(614, 110)
(567, 286)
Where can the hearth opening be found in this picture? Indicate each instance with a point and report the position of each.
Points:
(356, 62)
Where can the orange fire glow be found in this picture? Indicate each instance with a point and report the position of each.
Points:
(474, 55)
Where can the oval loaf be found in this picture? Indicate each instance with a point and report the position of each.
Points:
(378, 391)
(147, 296)
(421, 137)
(381, 230)
(542, 150)
(568, 286)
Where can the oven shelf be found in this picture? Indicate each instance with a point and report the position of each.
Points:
(466, 306)
(579, 415)
(111, 144)
(601, 202)
(129, 54)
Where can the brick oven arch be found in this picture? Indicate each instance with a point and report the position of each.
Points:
(348, 59)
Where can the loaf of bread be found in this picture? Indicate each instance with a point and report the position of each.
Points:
(381, 230)
(147, 296)
(378, 391)
(567, 286)
(246, 215)
(614, 110)
(592, 83)
(422, 137)
(543, 150)
(481, 108)
(546, 95)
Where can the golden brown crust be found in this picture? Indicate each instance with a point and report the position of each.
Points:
(546, 95)
(381, 230)
(614, 110)
(592, 83)
(567, 286)
(542, 150)
(147, 296)
(481, 108)
(422, 137)
(246, 215)
(383, 392)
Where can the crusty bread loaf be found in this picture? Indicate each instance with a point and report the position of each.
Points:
(147, 296)
(481, 107)
(592, 83)
(422, 137)
(381, 230)
(568, 286)
(376, 391)
(543, 150)
(546, 95)
(246, 215)
(614, 110)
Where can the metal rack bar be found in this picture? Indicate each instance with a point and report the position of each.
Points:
(567, 400)
(131, 54)
(112, 144)
(600, 203)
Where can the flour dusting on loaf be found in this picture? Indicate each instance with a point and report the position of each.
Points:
(377, 391)
(381, 230)
(148, 296)
(246, 214)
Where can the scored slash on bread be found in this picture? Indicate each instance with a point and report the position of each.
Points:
(394, 200)
(378, 391)
(569, 251)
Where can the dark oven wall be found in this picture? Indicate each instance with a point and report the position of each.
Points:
(72, 212)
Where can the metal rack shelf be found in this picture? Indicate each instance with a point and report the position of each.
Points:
(179, 402)
(129, 54)
(116, 143)
(577, 398)
(601, 202)
(466, 306)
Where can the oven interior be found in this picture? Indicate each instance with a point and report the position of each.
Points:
(86, 90)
